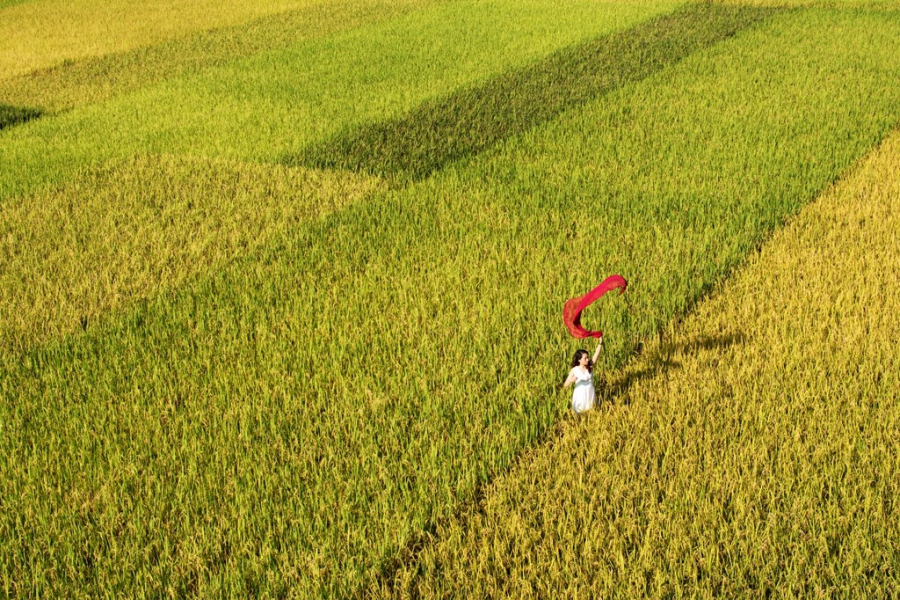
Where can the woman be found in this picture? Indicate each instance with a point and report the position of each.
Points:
(582, 376)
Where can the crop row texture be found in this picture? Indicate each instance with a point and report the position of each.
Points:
(750, 451)
(138, 227)
(92, 79)
(295, 420)
(35, 36)
(467, 122)
(271, 104)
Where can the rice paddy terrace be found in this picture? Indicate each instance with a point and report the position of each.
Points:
(281, 286)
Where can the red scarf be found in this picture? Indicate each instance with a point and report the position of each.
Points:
(572, 309)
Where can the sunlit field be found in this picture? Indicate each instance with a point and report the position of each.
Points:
(275, 103)
(750, 450)
(38, 34)
(280, 313)
(140, 226)
(116, 71)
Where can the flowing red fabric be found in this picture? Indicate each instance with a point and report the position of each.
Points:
(572, 309)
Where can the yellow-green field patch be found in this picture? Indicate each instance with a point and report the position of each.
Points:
(142, 225)
(43, 33)
(91, 79)
(294, 422)
(272, 104)
(473, 119)
(6, 3)
(753, 450)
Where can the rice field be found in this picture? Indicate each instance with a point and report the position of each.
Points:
(140, 226)
(13, 115)
(750, 450)
(280, 313)
(272, 104)
(90, 79)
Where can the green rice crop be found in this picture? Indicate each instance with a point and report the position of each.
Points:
(467, 122)
(143, 225)
(294, 422)
(75, 83)
(751, 451)
(275, 103)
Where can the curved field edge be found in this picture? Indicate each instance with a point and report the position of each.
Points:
(143, 225)
(293, 422)
(76, 83)
(275, 103)
(751, 450)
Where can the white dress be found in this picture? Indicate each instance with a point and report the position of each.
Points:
(583, 396)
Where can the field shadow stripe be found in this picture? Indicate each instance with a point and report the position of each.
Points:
(10, 116)
(448, 129)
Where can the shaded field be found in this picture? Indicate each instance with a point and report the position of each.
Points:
(275, 103)
(141, 226)
(752, 450)
(294, 421)
(15, 115)
(75, 83)
(470, 121)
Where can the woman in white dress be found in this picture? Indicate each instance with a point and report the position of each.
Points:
(582, 375)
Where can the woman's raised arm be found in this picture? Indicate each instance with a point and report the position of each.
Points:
(597, 351)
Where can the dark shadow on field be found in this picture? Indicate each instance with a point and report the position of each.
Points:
(413, 145)
(11, 116)
(661, 361)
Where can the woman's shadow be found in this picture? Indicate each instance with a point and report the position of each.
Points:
(660, 360)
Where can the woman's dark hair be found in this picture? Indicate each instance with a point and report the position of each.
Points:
(578, 356)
